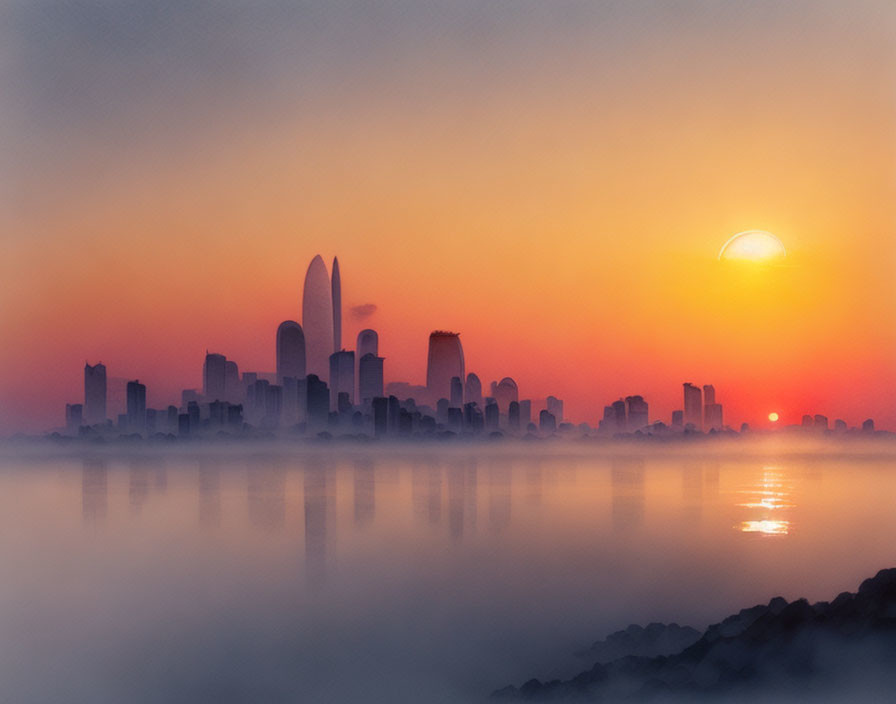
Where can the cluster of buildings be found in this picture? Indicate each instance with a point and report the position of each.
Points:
(321, 387)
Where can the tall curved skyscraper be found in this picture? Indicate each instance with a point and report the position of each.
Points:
(317, 319)
(290, 351)
(473, 390)
(505, 393)
(368, 343)
(446, 359)
(336, 297)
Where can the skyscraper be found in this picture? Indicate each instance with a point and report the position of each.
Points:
(370, 377)
(457, 392)
(554, 406)
(473, 390)
(214, 374)
(74, 416)
(619, 421)
(368, 343)
(693, 406)
(446, 359)
(505, 393)
(233, 388)
(95, 393)
(318, 319)
(713, 416)
(290, 351)
(317, 402)
(636, 413)
(342, 376)
(136, 406)
(336, 296)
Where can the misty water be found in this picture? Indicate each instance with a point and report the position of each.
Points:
(433, 573)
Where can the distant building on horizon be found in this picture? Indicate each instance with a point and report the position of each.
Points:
(505, 393)
(290, 351)
(368, 343)
(336, 302)
(636, 413)
(457, 392)
(318, 319)
(95, 394)
(473, 390)
(342, 376)
(445, 360)
(554, 406)
(693, 406)
(136, 413)
(74, 417)
(214, 375)
(370, 377)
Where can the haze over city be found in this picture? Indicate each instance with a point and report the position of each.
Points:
(555, 185)
(447, 352)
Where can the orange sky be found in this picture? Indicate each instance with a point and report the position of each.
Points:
(555, 188)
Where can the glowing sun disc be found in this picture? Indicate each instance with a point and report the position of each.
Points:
(753, 245)
(773, 417)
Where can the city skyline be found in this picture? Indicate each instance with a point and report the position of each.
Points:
(559, 194)
(350, 396)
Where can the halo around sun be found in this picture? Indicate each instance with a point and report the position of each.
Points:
(753, 245)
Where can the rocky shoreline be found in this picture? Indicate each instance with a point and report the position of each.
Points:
(786, 647)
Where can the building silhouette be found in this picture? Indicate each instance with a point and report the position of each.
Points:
(336, 301)
(457, 392)
(445, 360)
(713, 417)
(554, 406)
(473, 390)
(525, 413)
(370, 377)
(636, 413)
(136, 400)
(506, 392)
(214, 375)
(95, 394)
(290, 351)
(233, 388)
(342, 376)
(318, 319)
(317, 403)
(74, 417)
(693, 406)
(712, 411)
(678, 420)
(368, 343)
(547, 422)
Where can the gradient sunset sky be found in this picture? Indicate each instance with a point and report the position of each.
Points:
(553, 180)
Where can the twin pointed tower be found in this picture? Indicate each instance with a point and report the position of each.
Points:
(321, 316)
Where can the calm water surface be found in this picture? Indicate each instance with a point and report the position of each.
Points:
(398, 576)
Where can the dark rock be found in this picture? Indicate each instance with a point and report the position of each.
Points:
(779, 645)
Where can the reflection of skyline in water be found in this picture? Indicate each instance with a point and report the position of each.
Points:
(319, 509)
(440, 488)
(94, 491)
(771, 501)
(365, 492)
(209, 494)
(500, 483)
(266, 494)
(426, 492)
(138, 485)
(627, 487)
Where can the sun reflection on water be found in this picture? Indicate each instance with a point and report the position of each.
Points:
(772, 495)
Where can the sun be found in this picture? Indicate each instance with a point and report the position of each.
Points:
(773, 417)
(753, 245)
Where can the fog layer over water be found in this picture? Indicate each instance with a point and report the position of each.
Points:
(399, 575)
